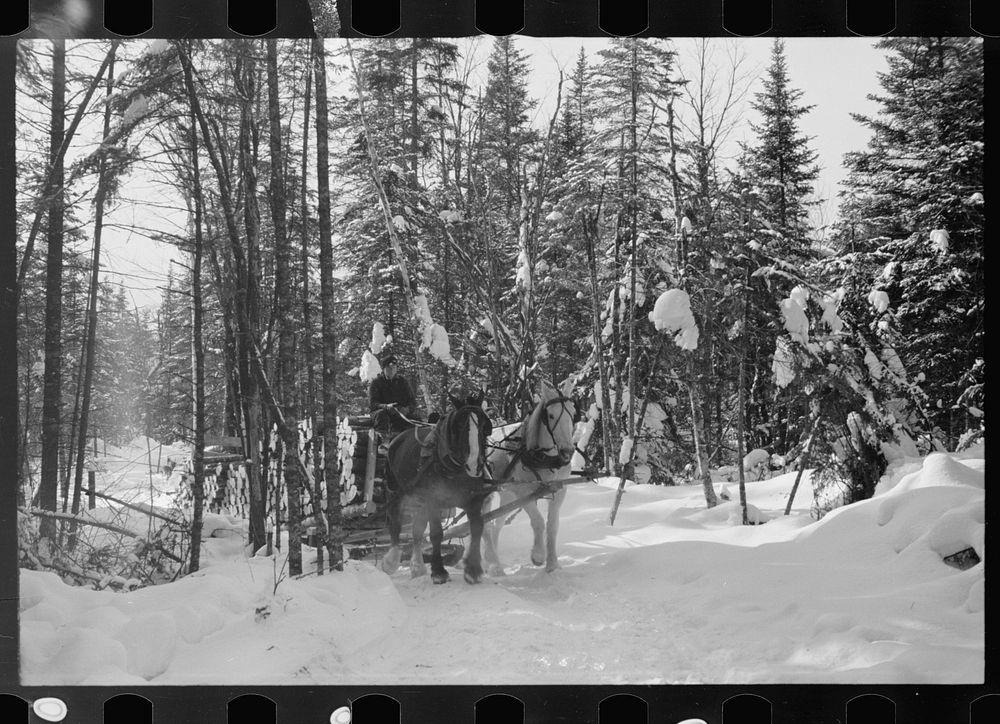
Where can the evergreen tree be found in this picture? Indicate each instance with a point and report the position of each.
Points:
(913, 215)
(506, 133)
(778, 169)
(780, 162)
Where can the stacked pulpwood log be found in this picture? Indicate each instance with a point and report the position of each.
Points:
(362, 473)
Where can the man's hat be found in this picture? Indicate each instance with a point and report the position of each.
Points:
(388, 359)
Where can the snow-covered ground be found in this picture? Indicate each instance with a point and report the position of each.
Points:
(673, 593)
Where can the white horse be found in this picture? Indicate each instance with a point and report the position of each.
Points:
(529, 454)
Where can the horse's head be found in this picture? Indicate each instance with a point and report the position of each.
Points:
(466, 431)
(548, 431)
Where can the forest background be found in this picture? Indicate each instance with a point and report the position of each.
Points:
(617, 245)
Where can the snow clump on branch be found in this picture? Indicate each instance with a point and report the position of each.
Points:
(434, 337)
(830, 304)
(794, 314)
(137, 108)
(940, 240)
(158, 46)
(625, 454)
(581, 438)
(783, 364)
(879, 300)
(370, 368)
(379, 339)
(672, 313)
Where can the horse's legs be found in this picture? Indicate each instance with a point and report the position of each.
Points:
(552, 530)
(393, 512)
(538, 527)
(417, 567)
(491, 539)
(438, 572)
(473, 561)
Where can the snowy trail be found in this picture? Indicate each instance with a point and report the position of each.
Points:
(673, 593)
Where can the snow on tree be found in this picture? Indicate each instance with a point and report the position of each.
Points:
(756, 462)
(369, 368)
(158, 46)
(436, 341)
(783, 363)
(830, 303)
(379, 339)
(914, 198)
(874, 365)
(879, 300)
(939, 241)
(795, 320)
(672, 313)
(136, 110)
(582, 433)
(625, 452)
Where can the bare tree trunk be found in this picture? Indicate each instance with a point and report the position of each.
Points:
(331, 472)
(198, 358)
(309, 407)
(698, 430)
(609, 430)
(13, 423)
(697, 423)
(248, 297)
(52, 395)
(638, 428)
(91, 341)
(285, 298)
(633, 212)
(243, 335)
(803, 461)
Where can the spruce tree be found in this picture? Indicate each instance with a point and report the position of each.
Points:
(780, 161)
(779, 169)
(913, 215)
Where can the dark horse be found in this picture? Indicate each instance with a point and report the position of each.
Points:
(440, 468)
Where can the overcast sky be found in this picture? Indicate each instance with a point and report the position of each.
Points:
(835, 75)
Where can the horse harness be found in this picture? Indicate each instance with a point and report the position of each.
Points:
(436, 447)
(535, 460)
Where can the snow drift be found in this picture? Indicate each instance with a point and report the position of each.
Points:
(673, 593)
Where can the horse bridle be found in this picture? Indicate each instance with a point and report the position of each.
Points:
(539, 459)
(446, 459)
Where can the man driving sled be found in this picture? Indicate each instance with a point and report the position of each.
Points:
(390, 398)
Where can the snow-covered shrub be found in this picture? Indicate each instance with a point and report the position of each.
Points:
(756, 463)
(113, 547)
(830, 491)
